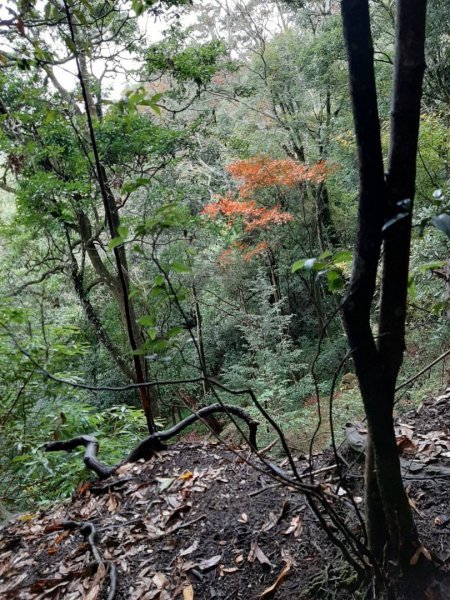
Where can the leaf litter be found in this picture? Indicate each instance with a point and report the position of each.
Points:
(196, 522)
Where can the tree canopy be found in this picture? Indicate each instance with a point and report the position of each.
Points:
(238, 204)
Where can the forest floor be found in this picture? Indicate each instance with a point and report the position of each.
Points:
(197, 522)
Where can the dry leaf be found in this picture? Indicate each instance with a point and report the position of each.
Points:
(256, 552)
(165, 482)
(93, 592)
(275, 518)
(113, 503)
(189, 550)
(160, 580)
(186, 475)
(296, 526)
(268, 592)
(26, 518)
(188, 593)
(228, 570)
(420, 550)
(243, 518)
(205, 565)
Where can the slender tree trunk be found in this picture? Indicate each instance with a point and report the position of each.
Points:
(147, 395)
(390, 522)
(326, 231)
(211, 420)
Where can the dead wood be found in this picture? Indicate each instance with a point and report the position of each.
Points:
(151, 444)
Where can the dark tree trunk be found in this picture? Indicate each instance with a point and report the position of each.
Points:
(326, 230)
(390, 522)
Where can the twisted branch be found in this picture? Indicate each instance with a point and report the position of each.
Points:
(152, 443)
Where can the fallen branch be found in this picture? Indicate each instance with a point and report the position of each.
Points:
(90, 455)
(151, 444)
(424, 370)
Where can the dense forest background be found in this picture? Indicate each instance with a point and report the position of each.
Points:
(216, 239)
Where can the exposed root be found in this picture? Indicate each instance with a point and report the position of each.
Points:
(88, 530)
(152, 443)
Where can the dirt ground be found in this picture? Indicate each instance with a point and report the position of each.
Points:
(197, 522)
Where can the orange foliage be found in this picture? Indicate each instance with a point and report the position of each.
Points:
(253, 216)
(261, 171)
(228, 255)
(258, 249)
(252, 175)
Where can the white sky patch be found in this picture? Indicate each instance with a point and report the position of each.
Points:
(115, 83)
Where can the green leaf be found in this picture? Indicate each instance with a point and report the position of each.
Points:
(138, 7)
(156, 292)
(319, 265)
(151, 104)
(122, 231)
(334, 274)
(436, 264)
(147, 321)
(70, 44)
(305, 263)
(179, 267)
(132, 186)
(325, 255)
(158, 280)
(51, 116)
(173, 331)
(342, 256)
(411, 286)
(114, 242)
(336, 284)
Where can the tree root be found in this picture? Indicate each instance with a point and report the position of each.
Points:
(152, 443)
(88, 530)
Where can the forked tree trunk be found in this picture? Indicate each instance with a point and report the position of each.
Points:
(385, 204)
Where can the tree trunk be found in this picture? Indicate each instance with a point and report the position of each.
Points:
(390, 523)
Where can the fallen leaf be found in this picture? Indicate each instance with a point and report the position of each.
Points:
(243, 518)
(61, 536)
(268, 592)
(165, 482)
(441, 520)
(228, 570)
(189, 550)
(188, 593)
(421, 550)
(256, 552)
(93, 592)
(160, 580)
(405, 444)
(113, 503)
(186, 475)
(275, 518)
(296, 526)
(177, 512)
(26, 518)
(209, 563)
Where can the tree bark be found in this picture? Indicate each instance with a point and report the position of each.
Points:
(389, 518)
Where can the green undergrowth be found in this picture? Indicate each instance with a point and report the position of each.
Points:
(32, 478)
